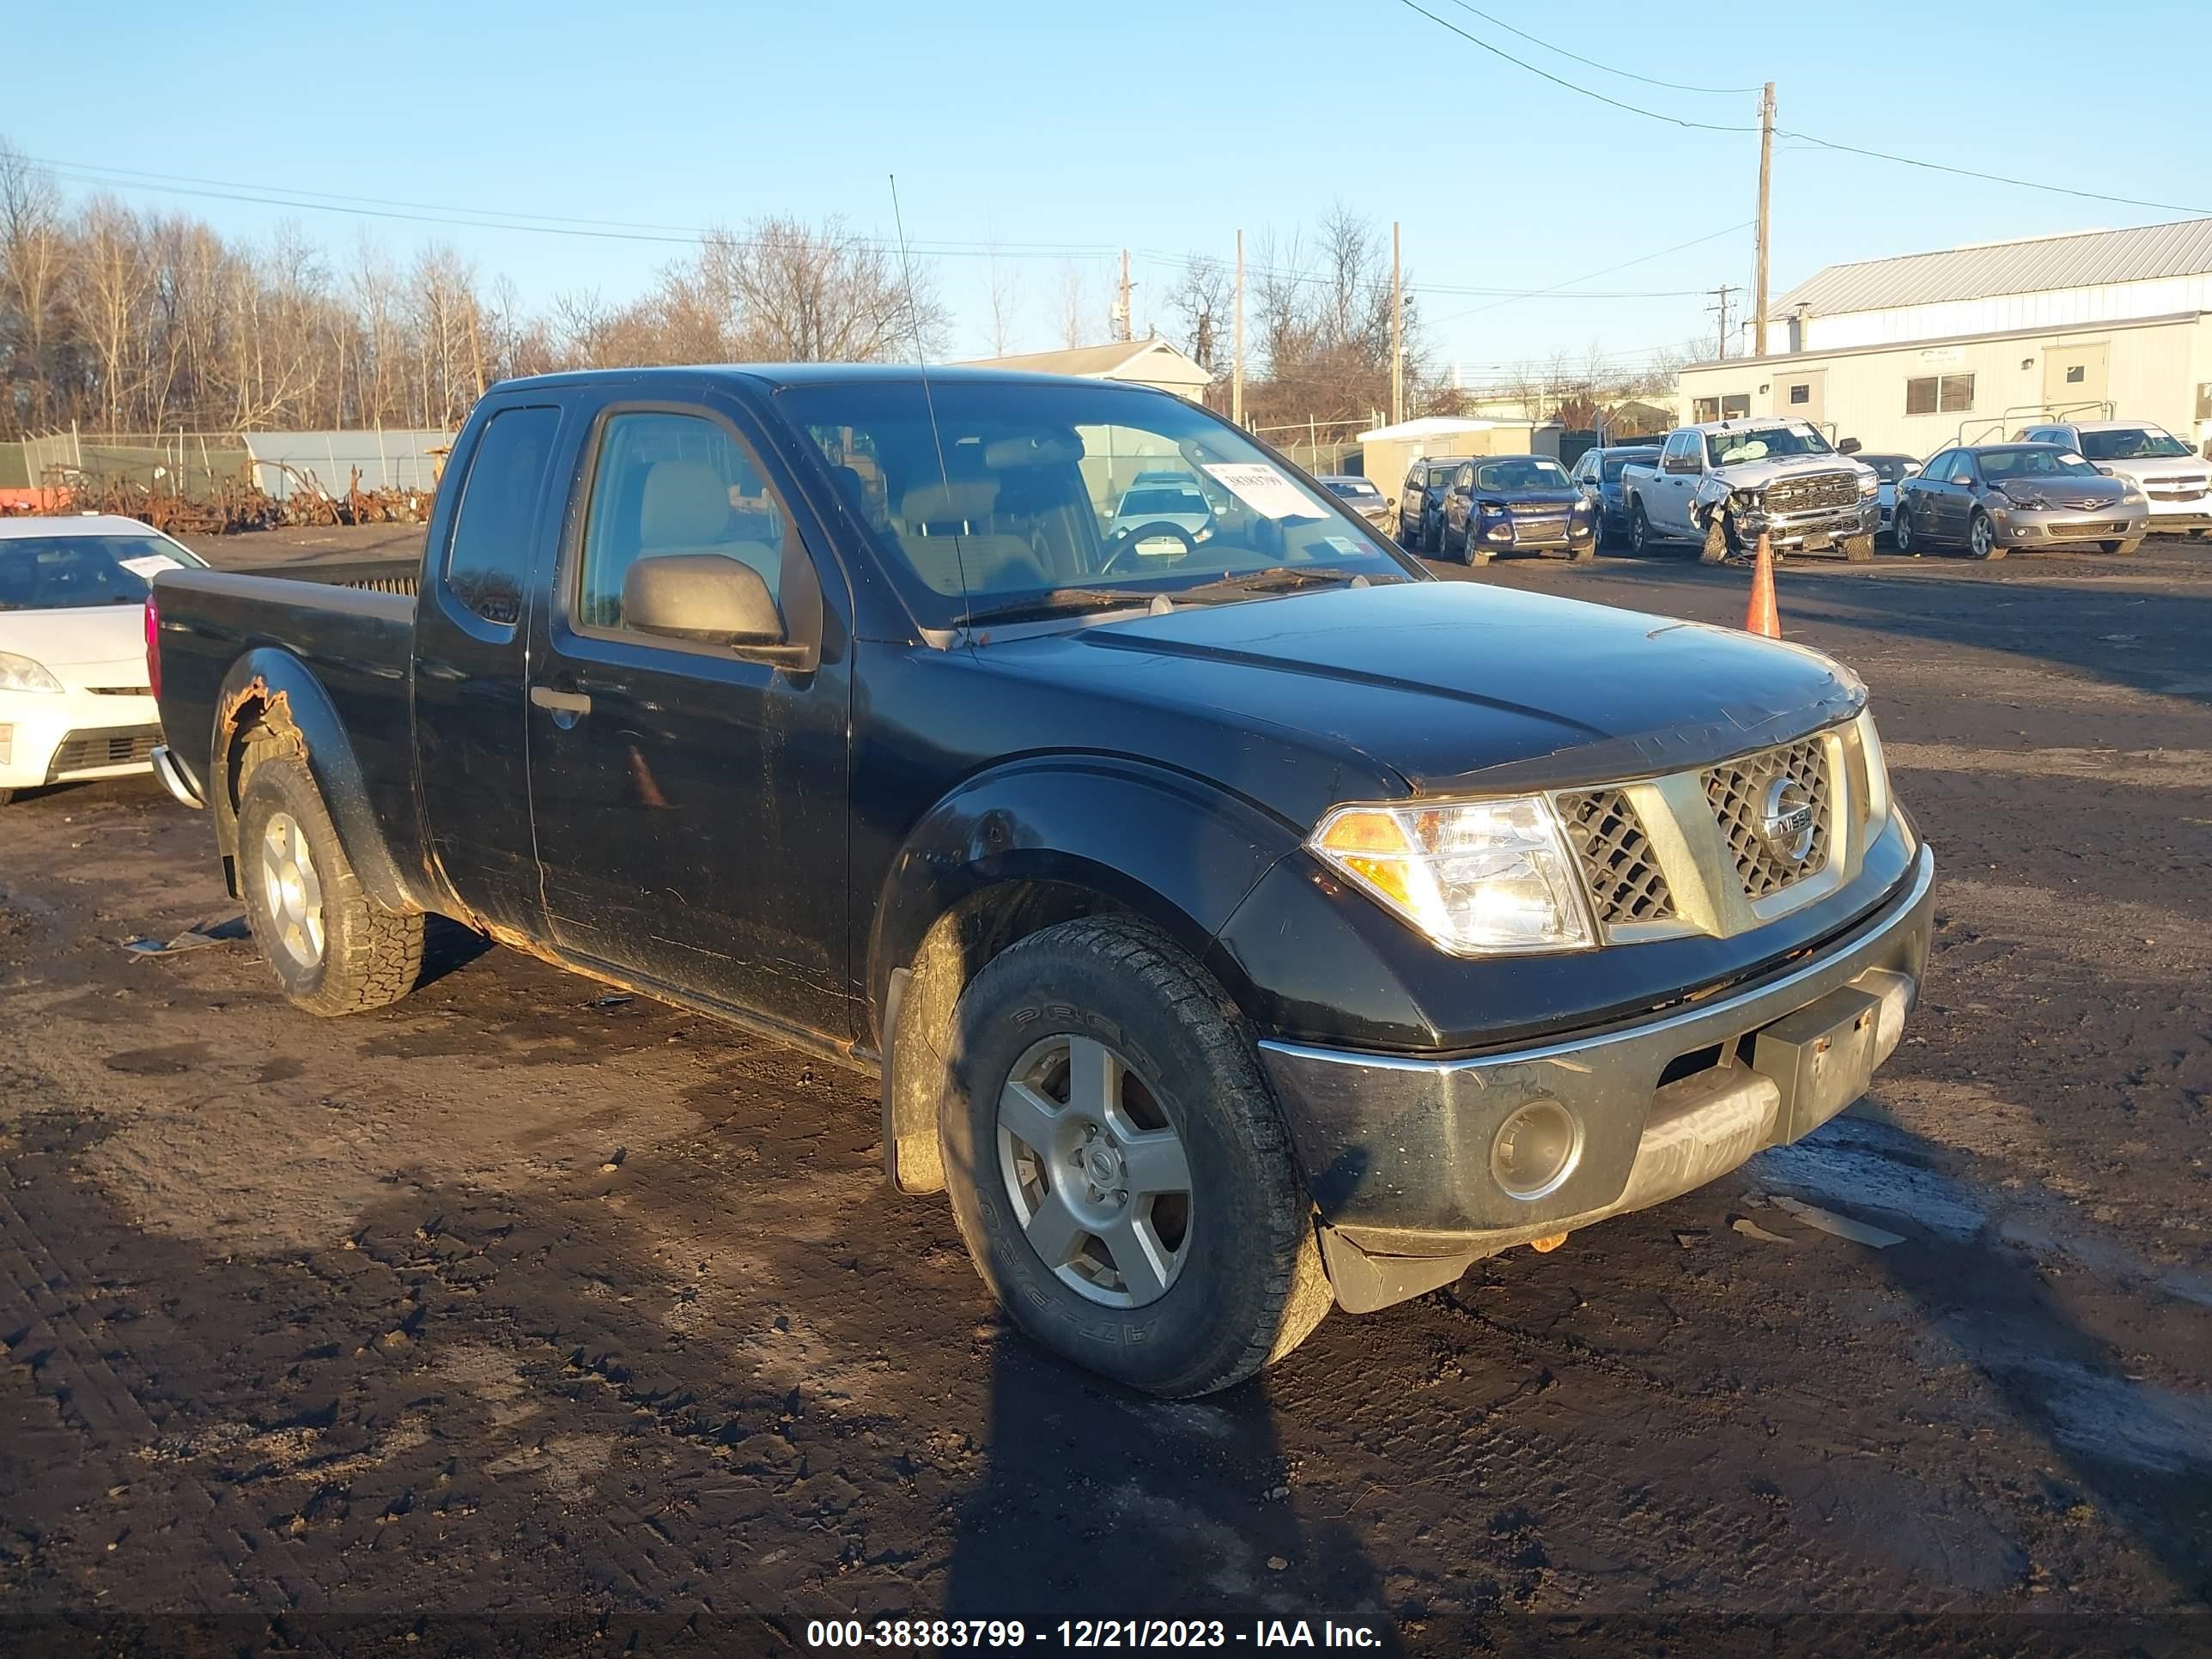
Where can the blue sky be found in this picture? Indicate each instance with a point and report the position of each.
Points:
(1163, 127)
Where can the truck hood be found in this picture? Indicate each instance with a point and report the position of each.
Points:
(1455, 686)
(1756, 475)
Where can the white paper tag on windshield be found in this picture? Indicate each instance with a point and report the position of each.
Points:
(147, 566)
(1265, 491)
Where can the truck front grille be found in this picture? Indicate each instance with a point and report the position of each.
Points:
(1724, 849)
(1739, 793)
(89, 751)
(1622, 878)
(1806, 495)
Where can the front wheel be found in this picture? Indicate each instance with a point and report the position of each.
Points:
(1982, 537)
(334, 948)
(2129, 545)
(1900, 531)
(1859, 549)
(1117, 1167)
(1719, 541)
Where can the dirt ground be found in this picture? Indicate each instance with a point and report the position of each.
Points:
(518, 1317)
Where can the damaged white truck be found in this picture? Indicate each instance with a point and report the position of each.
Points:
(1724, 484)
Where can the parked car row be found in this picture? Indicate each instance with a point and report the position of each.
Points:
(1474, 508)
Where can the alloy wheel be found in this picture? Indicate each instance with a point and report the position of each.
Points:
(292, 889)
(1096, 1173)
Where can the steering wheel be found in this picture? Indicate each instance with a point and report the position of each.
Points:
(1123, 541)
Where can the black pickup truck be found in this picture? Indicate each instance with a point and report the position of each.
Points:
(1240, 920)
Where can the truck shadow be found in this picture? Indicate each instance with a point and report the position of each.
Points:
(1102, 1504)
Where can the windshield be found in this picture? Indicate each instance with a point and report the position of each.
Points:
(65, 573)
(1890, 469)
(1520, 475)
(2034, 461)
(2139, 443)
(1765, 443)
(1014, 497)
(1616, 463)
(1354, 489)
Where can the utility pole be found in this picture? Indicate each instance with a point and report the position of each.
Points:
(1128, 317)
(1765, 178)
(1720, 305)
(1397, 334)
(1236, 373)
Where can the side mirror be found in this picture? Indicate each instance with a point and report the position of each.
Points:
(710, 598)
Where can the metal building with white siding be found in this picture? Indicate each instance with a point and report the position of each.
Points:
(1911, 352)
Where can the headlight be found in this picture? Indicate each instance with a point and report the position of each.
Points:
(1477, 878)
(1870, 485)
(21, 674)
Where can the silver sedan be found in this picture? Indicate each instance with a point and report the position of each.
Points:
(1987, 498)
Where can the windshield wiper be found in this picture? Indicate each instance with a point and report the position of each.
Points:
(1280, 579)
(1064, 602)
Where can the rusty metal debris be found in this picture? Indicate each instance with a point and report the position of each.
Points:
(232, 506)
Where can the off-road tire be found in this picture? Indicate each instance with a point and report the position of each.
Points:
(1719, 542)
(2122, 548)
(371, 957)
(1859, 549)
(6, 795)
(1252, 1287)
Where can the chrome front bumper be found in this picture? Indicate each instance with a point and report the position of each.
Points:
(1787, 532)
(1400, 1152)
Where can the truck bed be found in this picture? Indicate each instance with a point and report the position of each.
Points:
(351, 625)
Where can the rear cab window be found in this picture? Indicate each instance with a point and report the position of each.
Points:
(487, 565)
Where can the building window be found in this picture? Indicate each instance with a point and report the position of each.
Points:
(2077, 374)
(2205, 401)
(1736, 407)
(1800, 393)
(1702, 410)
(1947, 394)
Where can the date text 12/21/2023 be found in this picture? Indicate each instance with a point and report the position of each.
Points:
(1086, 1634)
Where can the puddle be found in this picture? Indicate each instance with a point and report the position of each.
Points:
(1857, 1165)
(2131, 1423)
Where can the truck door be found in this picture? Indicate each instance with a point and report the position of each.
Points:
(689, 797)
(1680, 468)
(489, 551)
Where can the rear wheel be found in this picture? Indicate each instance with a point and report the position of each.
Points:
(335, 950)
(1982, 537)
(1117, 1167)
(1639, 530)
(2129, 545)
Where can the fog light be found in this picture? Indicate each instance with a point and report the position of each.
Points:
(1535, 1148)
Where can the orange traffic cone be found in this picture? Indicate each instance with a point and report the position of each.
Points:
(1761, 618)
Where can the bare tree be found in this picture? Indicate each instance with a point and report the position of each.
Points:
(1202, 301)
(1002, 286)
(32, 319)
(1074, 305)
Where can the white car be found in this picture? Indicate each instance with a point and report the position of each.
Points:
(2174, 478)
(73, 699)
(1181, 505)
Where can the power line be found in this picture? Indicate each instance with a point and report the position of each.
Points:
(1626, 75)
(1994, 178)
(1641, 259)
(1523, 63)
(1825, 143)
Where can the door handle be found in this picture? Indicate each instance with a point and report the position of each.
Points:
(574, 704)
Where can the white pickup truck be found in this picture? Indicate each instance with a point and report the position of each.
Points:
(1724, 484)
